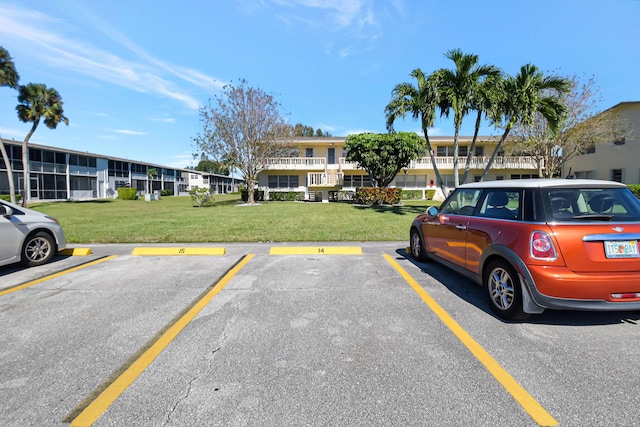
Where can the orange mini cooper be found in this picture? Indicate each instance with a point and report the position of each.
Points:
(535, 244)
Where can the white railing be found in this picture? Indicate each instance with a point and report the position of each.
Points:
(477, 162)
(295, 163)
(324, 179)
(443, 163)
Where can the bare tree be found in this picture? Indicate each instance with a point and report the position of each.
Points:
(582, 127)
(243, 127)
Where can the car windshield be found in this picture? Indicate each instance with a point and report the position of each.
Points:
(590, 204)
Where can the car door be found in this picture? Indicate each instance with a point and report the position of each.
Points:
(446, 238)
(9, 236)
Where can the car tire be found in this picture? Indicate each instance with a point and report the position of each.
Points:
(503, 290)
(38, 249)
(416, 246)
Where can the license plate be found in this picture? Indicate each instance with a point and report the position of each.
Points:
(621, 249)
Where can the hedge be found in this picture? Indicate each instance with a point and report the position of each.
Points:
(378, 196)
(126, 193)
(258, 195)
(7, 197)
(286, 196)
(635, 188)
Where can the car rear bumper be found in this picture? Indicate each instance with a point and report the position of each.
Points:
(560, 288)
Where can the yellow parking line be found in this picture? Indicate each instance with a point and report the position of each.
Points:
(53, 276)
(177, 251)
(315, 250)
(528, 403)
(89, 412)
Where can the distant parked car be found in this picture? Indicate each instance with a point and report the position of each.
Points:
(27, 236)
(537, 244)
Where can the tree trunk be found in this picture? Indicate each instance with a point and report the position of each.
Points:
(433, 162)
(470, 154)
(7, 162)
(456, 172)
(25, 164)
(495, 152)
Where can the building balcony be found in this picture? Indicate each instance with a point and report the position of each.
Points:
(443, 163)
(296, 163)
(333, 180)
(477, 162)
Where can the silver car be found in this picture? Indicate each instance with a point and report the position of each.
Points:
(27, 236)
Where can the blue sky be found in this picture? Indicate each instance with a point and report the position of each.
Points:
(132, 74)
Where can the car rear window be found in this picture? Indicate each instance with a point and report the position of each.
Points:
(590, 204)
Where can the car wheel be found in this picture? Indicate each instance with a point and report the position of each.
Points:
(418, 251)
(503, 289)
(38, 249)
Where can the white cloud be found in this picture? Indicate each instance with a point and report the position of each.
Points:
(42, 37)
(129, 132)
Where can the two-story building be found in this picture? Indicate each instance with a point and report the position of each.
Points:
(61, 174)
(616, 160)
(318, 167)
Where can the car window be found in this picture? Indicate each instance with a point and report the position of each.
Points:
(461, 202)
(499, 203)
(595, 204)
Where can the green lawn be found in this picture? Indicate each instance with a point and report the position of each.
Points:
(174, 219)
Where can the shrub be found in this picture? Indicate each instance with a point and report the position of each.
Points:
(201, 197)
(7, 197)
(286, 196)
(378, 196)
(126, 193)
(429, 194)
(635, 188)
(411, 194)
(165, 192)
(258, 195)
(346, 195)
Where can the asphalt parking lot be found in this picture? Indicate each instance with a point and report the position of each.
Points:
(292, 335)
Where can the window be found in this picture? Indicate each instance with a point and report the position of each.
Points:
(118, 168)
(501, 204)
(479, 151)
(308, 152)
(617, 175)
(463, 150)
(585, 174)
(461, 202)
(283, 181)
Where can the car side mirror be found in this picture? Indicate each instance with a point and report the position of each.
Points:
(432, 210)
(6, 211)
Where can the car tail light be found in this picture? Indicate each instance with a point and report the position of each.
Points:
(542, 246)
(626, 295)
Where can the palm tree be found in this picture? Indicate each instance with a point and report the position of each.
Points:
(459, 91)
(421, 102)
(37, 102)
(8, 77)
(526, 94)
(485, 102)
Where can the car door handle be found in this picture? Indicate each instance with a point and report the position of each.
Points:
(461, 227)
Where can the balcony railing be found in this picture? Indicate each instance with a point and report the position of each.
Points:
(334, 179)
(443, 163)
(296, 163)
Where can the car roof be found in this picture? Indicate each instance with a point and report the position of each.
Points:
(543, 183)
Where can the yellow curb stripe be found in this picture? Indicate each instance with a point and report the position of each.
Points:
(101, 403)
(528, 403)
(75, 252)
(53, 276)
(315, 250)
(177, 251)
